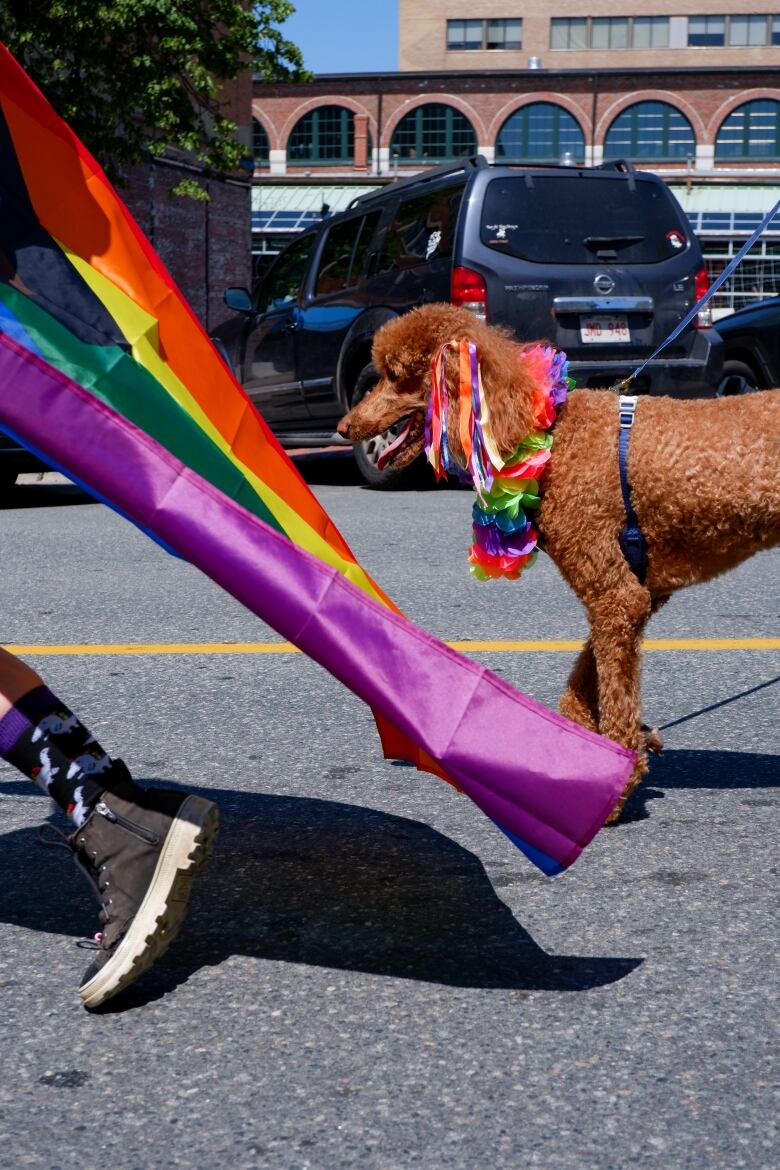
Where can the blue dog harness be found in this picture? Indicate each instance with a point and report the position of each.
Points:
(632, 542)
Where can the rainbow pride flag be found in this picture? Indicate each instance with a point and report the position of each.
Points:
(107, 375)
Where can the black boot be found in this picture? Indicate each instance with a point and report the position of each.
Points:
(141, 848)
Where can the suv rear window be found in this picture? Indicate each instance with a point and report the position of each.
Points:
(573, 219)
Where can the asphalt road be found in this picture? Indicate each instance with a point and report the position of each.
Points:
(371, 975)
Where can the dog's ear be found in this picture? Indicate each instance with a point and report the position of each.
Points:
(508, 388)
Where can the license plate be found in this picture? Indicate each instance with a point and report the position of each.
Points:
(600, 328)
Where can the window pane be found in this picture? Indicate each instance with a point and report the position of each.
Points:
(456, 34)
(609, 33)
(569, 34)
(596, 206)
(336, 258)
(504, 34)
(435, 133)
(776, 30)
(706, 30)
(750, 131)
(423, 229)
(364, 243)
(650, 32)
(559, 34)
(464, 34)
(326, 134)
(748, 30)
(650, 130)
(282, 284)
(599, 33)
(540, 132)
(618, 33)
(578, 34)
(260, 145)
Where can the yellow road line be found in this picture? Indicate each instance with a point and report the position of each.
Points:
(526, 647)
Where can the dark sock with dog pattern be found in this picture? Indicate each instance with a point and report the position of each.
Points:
(43, 739)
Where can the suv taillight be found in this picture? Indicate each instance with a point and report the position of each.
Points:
(700, 285)
(469, 291)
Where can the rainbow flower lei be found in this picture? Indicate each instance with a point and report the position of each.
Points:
(505, 539)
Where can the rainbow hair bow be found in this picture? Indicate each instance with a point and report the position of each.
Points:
(504, 537)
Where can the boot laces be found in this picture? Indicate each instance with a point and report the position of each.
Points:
(50, 837)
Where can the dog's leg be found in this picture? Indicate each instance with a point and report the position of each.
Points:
(580, 700)
(653, 737)
(617, 621)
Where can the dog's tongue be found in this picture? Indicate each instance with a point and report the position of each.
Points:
(396, 443)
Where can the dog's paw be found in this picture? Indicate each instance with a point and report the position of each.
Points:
(653, 740)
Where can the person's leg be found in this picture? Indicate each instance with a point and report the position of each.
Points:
(139, 847)
(42, 737)
(16, 679)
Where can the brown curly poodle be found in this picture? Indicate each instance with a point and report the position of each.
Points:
(705, 484)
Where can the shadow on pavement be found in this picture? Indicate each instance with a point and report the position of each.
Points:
(700, 769)
(321, 883)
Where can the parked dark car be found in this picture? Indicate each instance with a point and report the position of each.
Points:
(751, 339)
(600, 260)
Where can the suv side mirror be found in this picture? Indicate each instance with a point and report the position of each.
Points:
(238, 299)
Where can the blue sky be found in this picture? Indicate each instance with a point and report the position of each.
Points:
(346, 36)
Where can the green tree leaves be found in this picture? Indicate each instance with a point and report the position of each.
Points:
(133, 77)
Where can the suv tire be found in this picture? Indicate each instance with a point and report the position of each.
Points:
(734, 369)
(367, 453)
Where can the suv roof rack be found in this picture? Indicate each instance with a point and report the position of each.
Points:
(624, 167)
(617, 164)
(475, 162)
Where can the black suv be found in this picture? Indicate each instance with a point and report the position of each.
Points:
(599, 260)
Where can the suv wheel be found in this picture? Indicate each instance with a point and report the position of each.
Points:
(738, 378)
(367, 453)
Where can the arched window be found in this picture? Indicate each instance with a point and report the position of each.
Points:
(433, 133)
(650, 130)
(541, 132)
(324, 135)
(260, 144)
(750, 131)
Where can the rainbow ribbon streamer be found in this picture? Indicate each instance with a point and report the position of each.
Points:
(505, 539)
(107, 375)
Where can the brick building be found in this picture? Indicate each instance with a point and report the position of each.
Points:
(206, 245)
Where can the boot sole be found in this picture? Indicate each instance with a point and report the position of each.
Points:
(185, 851)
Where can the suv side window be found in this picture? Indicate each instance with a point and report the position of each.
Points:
(341, 262)
(423, 229)
(284, 279)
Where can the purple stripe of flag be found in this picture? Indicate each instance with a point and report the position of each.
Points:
(548, 781)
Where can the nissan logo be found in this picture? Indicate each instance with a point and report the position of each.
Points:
(603, 282)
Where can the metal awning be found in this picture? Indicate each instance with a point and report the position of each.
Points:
(280, 208)
(734, 208)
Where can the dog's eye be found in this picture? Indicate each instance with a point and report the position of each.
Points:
(391, 376)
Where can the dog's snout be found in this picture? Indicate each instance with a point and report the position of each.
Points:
(343, 426)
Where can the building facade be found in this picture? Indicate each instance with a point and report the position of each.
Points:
(698, 118)
(491, 34)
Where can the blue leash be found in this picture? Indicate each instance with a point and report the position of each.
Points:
(632, 541)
